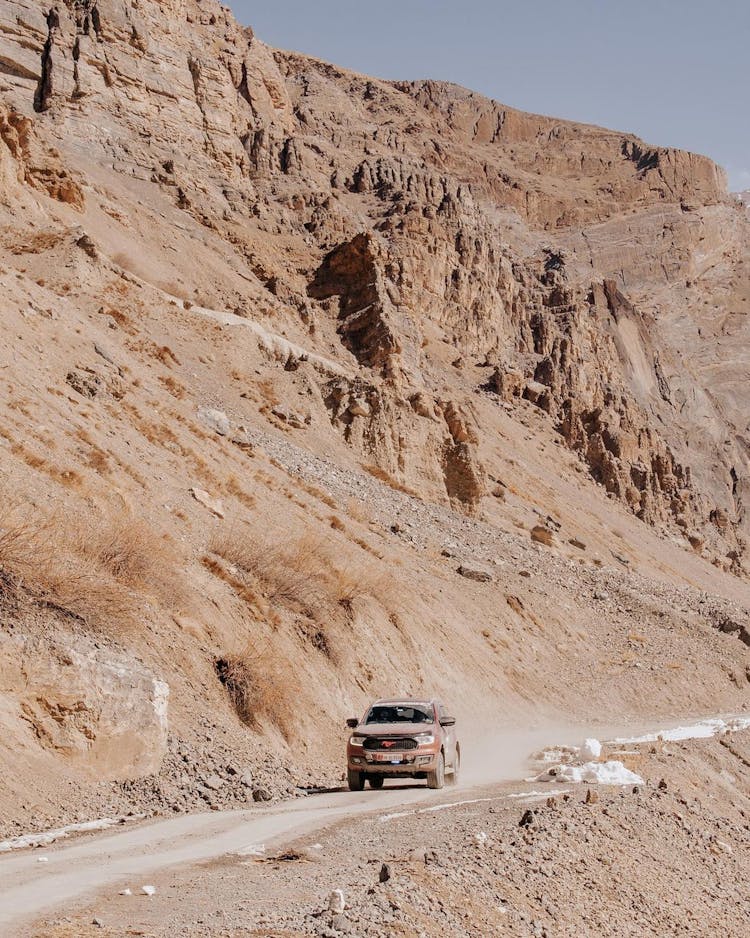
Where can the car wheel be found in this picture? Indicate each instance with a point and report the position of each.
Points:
(355, 779)
(376, 781)
(452, 779)
(436, 779)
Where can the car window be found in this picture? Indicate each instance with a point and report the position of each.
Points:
(396, 714)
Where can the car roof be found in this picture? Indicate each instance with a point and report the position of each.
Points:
(403, 702)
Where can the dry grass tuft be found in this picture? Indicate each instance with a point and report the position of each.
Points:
(260, 688)
(383, 476)
(173, 386)
(97, 570)
(307, 574)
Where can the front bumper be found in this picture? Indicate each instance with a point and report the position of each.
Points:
(397, 764)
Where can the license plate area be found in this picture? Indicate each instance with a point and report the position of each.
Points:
(390, 757)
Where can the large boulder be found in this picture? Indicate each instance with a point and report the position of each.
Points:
(100, 709)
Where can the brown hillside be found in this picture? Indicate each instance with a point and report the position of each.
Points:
(283, 347)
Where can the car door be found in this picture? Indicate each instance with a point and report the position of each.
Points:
(449, 737)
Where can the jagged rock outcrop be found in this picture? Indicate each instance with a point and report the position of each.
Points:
(369, 321)
(411, 207)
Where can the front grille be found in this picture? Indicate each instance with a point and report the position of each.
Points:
(396, 743)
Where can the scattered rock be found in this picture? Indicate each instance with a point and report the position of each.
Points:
(214, 782)
(475, 572)
(215, 420)
(336, 902)
(385, 873)
(340, 923)
(542, 535)
(359, 408)
(104, 353)
(214, 505)
(261, 794)
(527, 818)
(148, 890)
(86, 383)
(291, 417)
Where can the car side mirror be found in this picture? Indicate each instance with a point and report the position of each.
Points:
(448, 721)
(352, 723)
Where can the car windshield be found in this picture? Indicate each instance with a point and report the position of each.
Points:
(396, 713)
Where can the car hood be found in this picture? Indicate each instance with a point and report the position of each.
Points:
(394, 729)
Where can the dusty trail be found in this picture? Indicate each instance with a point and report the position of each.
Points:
(29, 888)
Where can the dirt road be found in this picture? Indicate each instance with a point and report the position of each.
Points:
(29, 887)
(119, 858)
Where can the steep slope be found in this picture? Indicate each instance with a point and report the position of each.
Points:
(284, 348)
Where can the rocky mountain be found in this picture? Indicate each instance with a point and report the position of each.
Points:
(284, 346)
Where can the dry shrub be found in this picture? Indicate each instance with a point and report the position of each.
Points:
(260, 687)
(306, 574)
(268, 392)
(383, 476)
(98, 460)
(233, 487)
(96, 570)
(173, 386)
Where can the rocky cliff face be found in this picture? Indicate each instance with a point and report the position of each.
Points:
(429, 277)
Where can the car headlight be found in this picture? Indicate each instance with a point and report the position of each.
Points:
(425, 739)
(357, 741)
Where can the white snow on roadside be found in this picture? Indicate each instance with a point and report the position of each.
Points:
(704, 729)
(396, 814)
(252, 850)
(601, 773)
(591, 749)
(534, 795)
(454, 804)
(49, 837)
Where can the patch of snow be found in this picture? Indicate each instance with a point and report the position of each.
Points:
(252, 850)
(49, 837)
(452, 804)
(555, 754)
(396, 814)
(601, 773)
(704, 729)
(590, 750)
(534, 794)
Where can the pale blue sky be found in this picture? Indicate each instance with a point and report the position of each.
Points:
(675, 72)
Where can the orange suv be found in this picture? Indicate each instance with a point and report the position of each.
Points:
(402, 739)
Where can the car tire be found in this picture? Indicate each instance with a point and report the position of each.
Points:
(452, 779)
(355, 779)
(436, 779)
(376, 781)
